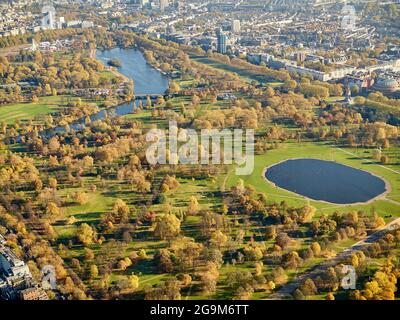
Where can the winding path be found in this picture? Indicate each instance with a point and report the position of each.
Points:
(223, 186)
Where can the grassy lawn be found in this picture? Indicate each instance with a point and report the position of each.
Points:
(108, 75)
(246, 75)
(28, 111)
(382, 107)
(334, 99)
(87, 213)
(275, 83)
(203, 190)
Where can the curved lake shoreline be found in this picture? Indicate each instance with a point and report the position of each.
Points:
(147, 81)
(326, 191)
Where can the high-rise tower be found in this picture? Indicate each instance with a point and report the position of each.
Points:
(221, 41)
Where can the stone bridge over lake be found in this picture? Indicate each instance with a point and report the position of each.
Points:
(152, 96)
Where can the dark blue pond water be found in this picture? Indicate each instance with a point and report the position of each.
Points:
(326, 180)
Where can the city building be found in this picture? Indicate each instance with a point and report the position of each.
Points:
(14, 274)
(163, 5)
(49, 20)
(11, 265)
(34, 293)
(221, 42)
(16, 281)
(363, 81)
(300, 57)
(60, 22)
(236, 26)
(387, 86)
(87, 24)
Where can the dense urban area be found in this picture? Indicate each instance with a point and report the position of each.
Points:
(84, 213)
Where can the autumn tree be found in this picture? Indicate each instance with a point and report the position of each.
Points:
(94, 271)
(193, 206)
(307, 213)
(85, 234)
(209, 278)
(270, 232)
(163, 260)
(167, 226)
(186, 252)
(52, 210)
(308, 287)
(169, 290)
(81, 198)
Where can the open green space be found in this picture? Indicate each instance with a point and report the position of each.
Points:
(357, 158)
(246, 75)
(28, 111)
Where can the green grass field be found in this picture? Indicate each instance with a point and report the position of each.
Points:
(27, 111)
(246, 75)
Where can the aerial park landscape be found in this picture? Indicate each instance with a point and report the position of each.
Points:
(120, 171)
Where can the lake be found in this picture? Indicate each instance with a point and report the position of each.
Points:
(147, 80)
(326, 181)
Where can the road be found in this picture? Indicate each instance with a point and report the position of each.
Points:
(286, 290)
